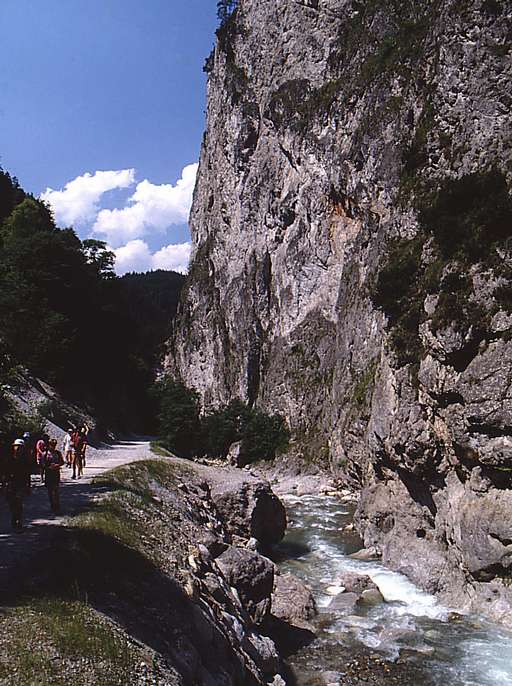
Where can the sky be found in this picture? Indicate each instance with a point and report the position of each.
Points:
(102, 115)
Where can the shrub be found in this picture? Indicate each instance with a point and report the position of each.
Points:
(263, 437)
(13, 424)
(178, 416)
(468, 217)
(223, 426)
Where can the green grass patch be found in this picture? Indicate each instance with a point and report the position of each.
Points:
(53, 641)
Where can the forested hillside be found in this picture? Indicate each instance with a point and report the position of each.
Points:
(66, 317)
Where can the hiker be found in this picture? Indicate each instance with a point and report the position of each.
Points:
(52, 465)
(78, 444)
(17, 478)
(68, 448)
(84, 432)
(41, 448)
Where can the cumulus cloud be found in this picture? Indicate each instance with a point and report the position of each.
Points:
(151, 208)
(136, 256)
(173, 257)
(78, 201)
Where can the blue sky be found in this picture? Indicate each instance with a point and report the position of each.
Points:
(111, 86)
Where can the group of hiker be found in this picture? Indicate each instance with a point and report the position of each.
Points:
(42, 457)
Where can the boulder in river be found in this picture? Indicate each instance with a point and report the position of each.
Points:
(292, 601)
(344, 603)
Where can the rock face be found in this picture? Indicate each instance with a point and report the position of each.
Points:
(351, 268)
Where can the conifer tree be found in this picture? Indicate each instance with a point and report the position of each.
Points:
(225, 9)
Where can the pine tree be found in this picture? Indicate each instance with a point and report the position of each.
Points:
(225, 9)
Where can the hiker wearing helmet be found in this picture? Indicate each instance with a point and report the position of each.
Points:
(17, 477)
(52, 465)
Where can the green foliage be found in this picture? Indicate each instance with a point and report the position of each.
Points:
(263, 437)
(224, 426)
(225, 9)
(100, 258)
(469, 217)
(14, 423)
(364, 384)
(178, 415)
(185, 433)
(465, 222)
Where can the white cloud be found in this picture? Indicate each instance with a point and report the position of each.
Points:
(136, 256)
(151, 207)
(174, 257)
(78, 201)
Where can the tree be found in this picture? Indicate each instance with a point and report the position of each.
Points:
(225, 9)
(99, 257)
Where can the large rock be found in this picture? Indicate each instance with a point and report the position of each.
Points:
(252, 576)
(292, 601)
(250, 509)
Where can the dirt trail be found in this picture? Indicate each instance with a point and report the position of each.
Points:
(76, 495)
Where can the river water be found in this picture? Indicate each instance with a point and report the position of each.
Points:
(411, 628)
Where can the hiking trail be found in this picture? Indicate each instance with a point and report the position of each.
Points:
(39, 523)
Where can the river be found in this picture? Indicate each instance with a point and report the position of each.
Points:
(411, 632)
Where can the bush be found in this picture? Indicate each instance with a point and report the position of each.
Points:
(13, 424)
(186, 434)
(468, 217)
(263, 437)
(178, 416)
(223, 427)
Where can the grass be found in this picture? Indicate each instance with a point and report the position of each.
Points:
(54, 641)
(158, 449)
(117, 553)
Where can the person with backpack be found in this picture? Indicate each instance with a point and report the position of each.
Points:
(41, 449)
(17, 479)
(53, 463)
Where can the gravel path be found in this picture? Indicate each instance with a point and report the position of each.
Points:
(40, 523)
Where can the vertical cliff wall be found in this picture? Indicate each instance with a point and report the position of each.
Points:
(352, 267)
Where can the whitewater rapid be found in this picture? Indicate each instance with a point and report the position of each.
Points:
(411, 625)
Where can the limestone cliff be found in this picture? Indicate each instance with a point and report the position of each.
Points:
(352, 267)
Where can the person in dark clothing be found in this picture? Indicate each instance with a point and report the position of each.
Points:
(79, 443)
(17, 479)
(52, 465)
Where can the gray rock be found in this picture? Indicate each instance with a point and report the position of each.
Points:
(253, 578)
(344, 603)
(366, 554)
(355, 583)
(250, 509)
(301, 188)
(292, 601)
